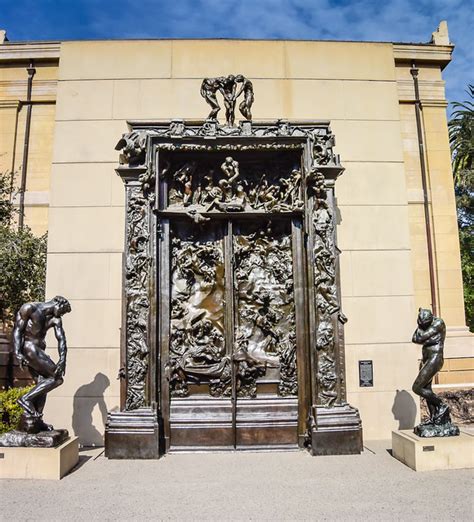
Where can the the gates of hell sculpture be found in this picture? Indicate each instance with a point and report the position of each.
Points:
(232, 327)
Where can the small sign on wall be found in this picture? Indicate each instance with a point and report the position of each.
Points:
(366, 374)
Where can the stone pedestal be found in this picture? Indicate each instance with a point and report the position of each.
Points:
(132, 435)
(39, 463)
(337, 431)
(428, 454)
(42, 439)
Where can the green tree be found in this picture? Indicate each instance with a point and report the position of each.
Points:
(461, 138)
(22, 258)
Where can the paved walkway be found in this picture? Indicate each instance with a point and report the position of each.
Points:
(244, 486)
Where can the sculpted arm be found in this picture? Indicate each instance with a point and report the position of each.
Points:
(421, 336)
(239, 92)
(21, 321)
(204, 89)
(62, 346)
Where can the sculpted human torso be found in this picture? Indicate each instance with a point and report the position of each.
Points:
(38, 324)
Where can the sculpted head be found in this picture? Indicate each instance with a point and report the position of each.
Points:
(61, 306)
(425, 317)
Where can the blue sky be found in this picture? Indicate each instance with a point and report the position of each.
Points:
(369, 20)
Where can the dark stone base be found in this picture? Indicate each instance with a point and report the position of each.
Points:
(435, 430)
(132, 435)
(336, 431)
(43, 439)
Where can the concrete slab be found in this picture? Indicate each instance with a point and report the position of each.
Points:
(272, 486)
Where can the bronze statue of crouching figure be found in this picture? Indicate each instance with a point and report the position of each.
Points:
(431, 333)
(32, 323)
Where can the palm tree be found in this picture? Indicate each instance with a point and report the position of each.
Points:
(461, 139)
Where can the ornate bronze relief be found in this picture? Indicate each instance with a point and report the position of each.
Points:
(197, 348)
(234, 208)
(265, 335)
(326, 294)
(232, 186)
(137, 270)
(133, 144)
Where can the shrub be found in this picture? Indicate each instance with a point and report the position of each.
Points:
(22, 258)
(10, 410)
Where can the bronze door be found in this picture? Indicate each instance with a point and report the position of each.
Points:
(234, 322)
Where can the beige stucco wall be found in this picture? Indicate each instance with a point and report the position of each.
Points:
(102, 84)
(13, 95)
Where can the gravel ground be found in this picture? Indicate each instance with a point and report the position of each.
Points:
(244, 486)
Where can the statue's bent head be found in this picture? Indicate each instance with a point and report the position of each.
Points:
(61, 306)
(425, 317)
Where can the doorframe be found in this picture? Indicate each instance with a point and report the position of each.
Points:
(142, 398)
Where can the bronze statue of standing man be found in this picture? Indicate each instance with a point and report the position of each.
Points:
(431, 333)
(209, 88)
(228, 87)
(32, 323)
(246, 104)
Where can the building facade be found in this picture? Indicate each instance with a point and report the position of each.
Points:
(395, 207)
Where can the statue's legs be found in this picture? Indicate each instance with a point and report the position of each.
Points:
(40, 401)
(431, 407)
(244, 108)
(229, 112)
(422, 384)
(43, 370)
(212, 101)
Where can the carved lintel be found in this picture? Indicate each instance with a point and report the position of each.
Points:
(133, 144)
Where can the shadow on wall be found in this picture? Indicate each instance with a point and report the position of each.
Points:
(86, 398)
(404, 410)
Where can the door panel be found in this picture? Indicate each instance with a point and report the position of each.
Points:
(198, 359)
(232, 364)
(265, 332)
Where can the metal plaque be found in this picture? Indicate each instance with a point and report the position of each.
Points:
(366, 374)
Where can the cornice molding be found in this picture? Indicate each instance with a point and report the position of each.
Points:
(37, 51)
(423, 53)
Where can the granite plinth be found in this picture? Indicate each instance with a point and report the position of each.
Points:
(435, 453)
(39, 463)
(43, 439)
